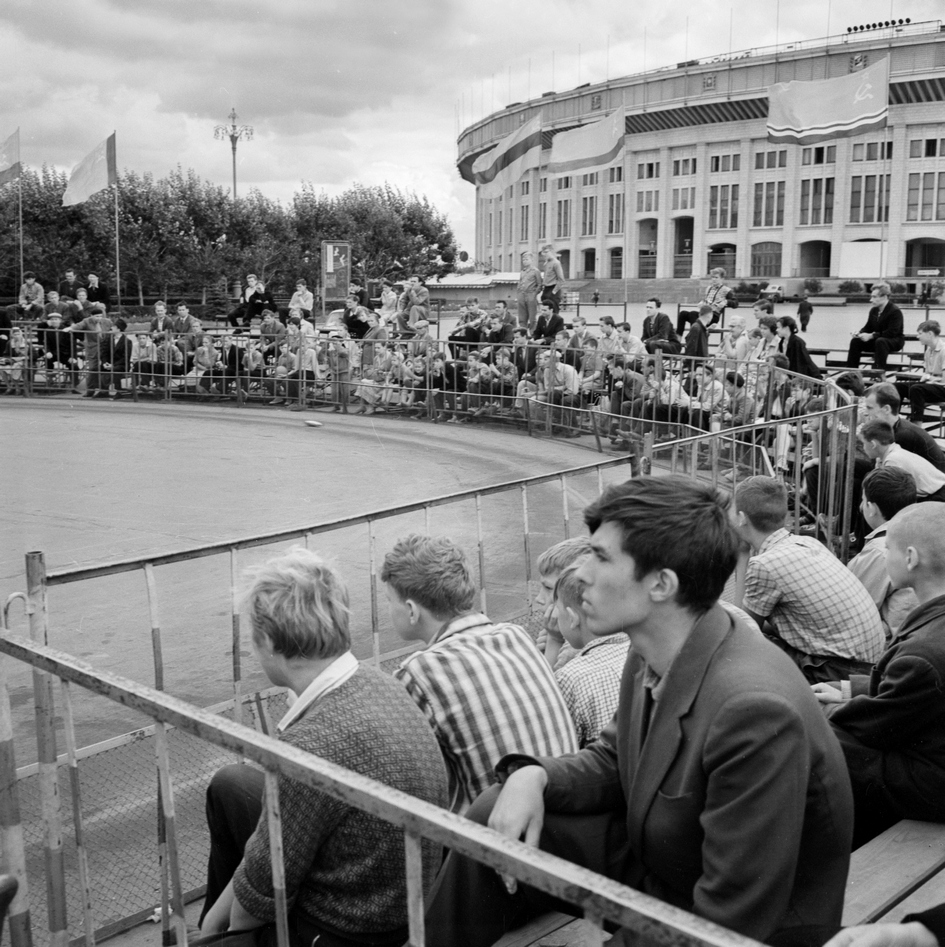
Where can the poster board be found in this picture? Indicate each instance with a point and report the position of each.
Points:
(336, 271)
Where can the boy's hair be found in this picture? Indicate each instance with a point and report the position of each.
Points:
(504, 351)
(656, 301)
(765, 305)
(673, 523)
(930, 325)
(852, 382)
(890, 489)
(878, 430)
(789, 322)
(763, 500)
(432, 571)
(780, 360)
(607, 320)
(569, 589)
(301, 605)
(591, 342)
(558, 557)
(733, 378)
(814, 405)
(768, 322)
(923, 527)
(705, 310)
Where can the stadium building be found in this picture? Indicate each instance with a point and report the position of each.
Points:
(698, 184)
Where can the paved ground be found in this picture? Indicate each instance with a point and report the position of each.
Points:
(90, 481)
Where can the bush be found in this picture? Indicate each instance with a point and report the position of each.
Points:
(850, 287)
(898, 289)
(813, 286)
(748, 289)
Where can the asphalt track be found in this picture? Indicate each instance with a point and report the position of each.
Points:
(90, 481)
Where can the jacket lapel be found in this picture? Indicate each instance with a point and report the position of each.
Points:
(661, 745)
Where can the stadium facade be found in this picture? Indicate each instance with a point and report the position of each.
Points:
(698, 184)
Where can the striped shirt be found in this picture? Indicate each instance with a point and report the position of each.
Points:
(590, 683)
(486, 691)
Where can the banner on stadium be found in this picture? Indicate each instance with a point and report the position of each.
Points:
(510, 159)
(590, 146)
(805, 113)
(93, 173)
(10, 166)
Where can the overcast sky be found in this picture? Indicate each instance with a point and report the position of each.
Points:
(339, 92)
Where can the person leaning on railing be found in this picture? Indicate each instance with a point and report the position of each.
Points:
(345, 875)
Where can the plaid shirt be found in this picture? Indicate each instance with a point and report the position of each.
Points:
(487, 691)
(816, 604)
(590, 682)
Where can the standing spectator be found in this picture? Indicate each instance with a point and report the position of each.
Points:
(552, 276)
(930, 388)
(658, 330)
(116, 357)
(70, 285)
(58, 346)
(355, 317)
(484, 688)
(805, 310)
(885, 493)
(883, 333)
(891, 724)
(529, 289)
(30, 302)
(97, 293)
(339, 364)
(820, 614)
(716, 297)
(590, 682)
(94, 328)
(302, 299)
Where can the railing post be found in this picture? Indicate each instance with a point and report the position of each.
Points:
(564, 507)
(274, 819)
(482, 554)
(413, 851)
(236, 636)
(170, 861)
(12, 847)
(375, 624)
(46, 755)
(528, 547)
(156, 649)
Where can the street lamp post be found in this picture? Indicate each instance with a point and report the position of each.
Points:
(235, 133)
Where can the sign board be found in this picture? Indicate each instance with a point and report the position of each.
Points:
(336, 270)
(933, 272)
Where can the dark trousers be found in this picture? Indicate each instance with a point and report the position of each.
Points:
(687, 317)
(921, 394)
(880, 347)
(469, 906)
(551, 295)
(234, 805)
(819, 668)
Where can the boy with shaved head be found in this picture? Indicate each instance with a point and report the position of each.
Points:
(891, 724)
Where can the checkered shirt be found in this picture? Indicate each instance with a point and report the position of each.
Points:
(590, 682)
(487, 691)
(816, 604)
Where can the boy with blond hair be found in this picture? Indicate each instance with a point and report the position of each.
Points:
(551, 563)
(590, 681)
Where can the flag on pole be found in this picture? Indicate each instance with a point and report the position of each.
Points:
(590, 146)
(804, 113)
(510, 159)
(10, 166)
(92, 174)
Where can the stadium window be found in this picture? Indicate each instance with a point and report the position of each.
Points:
(498, 233)
(590, 179)
(523, 223)
(489, 233)
(615, 213)
(588, 216)
(511, 226)
(806, 155)
(940, 203)
(928, 195)
(817, 201)
(684, 166)
(511, 191)
(769, 204)
(715, 163)
(615, 174)
(915, 148)
(564, 183)
(542, 221)
(526, 187)
(648, 169)
(869, 198)
(766, 259)
(819, 155)
(931, 145)
(563, 223)
(723, 207)
(542, 185)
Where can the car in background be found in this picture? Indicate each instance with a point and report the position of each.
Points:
(774, 292)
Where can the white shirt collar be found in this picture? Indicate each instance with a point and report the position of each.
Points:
(332, 677)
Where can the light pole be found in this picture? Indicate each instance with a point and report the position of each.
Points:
(235, 133)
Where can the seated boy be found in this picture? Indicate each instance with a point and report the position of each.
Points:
(551, 563)
(590, 681)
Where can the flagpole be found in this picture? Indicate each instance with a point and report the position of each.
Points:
(19, 201)
(883, 209)
(117, 252)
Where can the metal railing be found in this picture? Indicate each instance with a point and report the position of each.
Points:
(598, 898)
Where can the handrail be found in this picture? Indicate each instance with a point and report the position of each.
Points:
(65, 576)
(599, 897)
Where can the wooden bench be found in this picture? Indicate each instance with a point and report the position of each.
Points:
(898, 872)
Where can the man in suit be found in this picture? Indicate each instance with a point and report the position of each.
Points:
(718, 787)
(658, 332)
(882, 333)
(548, 326)
(70, 285)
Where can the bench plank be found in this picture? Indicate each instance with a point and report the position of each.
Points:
(891, 867)
(930, 894)
(535, 930)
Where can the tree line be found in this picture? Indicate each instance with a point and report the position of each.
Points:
(180, 235)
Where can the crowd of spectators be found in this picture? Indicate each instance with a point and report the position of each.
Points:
(715, 712)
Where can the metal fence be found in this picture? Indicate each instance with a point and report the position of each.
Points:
(599, 899)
